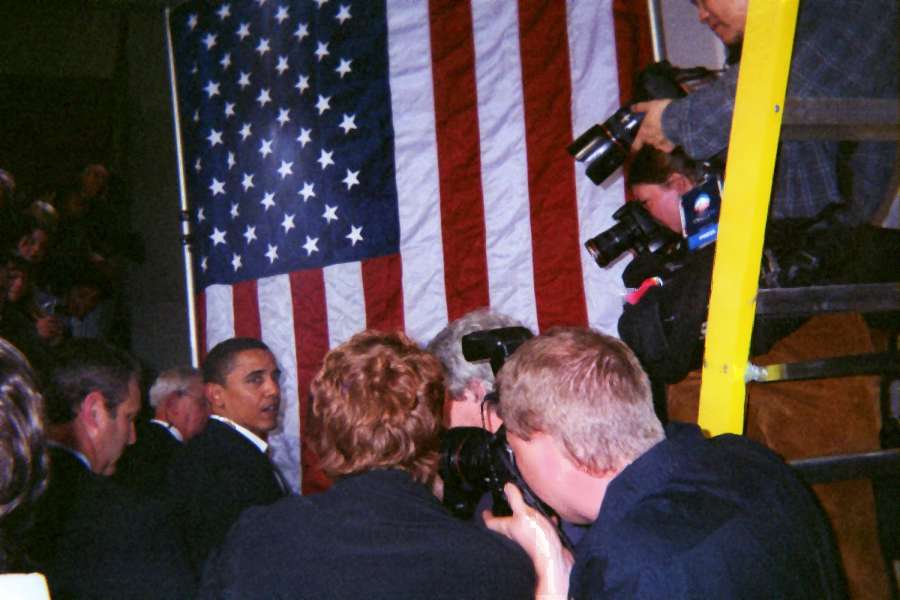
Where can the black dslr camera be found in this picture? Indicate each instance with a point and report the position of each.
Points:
(636, 230)
(474, 461)
(604, 147)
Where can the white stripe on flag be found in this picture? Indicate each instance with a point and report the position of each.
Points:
(504, 169)
(412, 98)
(595, 85)
(345, 302)
(276, 317)
(219, 314)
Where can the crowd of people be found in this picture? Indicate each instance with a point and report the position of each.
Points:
(188, 504)
(64, 254)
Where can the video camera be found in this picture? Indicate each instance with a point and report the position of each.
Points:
(475, 461)
(604, 147)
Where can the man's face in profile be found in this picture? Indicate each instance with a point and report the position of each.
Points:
(190, 410)
(726, 18)
(251, 394)
(548, 471)
(116, 430)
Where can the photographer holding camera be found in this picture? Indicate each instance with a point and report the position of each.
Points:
(468, 383)
(672, 514)
(378, 532)
(663, 319)
(842, 49)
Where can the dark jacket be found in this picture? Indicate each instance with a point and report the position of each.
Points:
(144, 465)
(698, 518)
(373, 535)
(216, 476)
(95, 539)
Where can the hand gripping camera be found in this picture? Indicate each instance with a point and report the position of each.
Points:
(604, 147)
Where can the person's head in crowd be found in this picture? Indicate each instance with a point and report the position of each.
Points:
(23, 460)
(377, 404)
(93, 397)
(726, 18)
(18, 281)
(15, 279)
(658, 180)
(242, 382)
(90, 184)
(177, 397)
(22, 295)
(45, 214)
(94, 180)
(468, 382)
(578, 409)
(32, 238)
(84, 292)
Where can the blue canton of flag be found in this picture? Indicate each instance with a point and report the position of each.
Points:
(287, 137)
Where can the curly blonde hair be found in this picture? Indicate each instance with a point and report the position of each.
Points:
(376, 404)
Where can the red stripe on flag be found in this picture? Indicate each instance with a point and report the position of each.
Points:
(634, 49)
(558, 281)
(246, 310)
(383, 287)
(459, 156)
(311, 341)
(200, 314)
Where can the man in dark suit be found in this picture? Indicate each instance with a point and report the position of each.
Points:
(181, 412)
(93, 538)
(379, 532)
(225, 469)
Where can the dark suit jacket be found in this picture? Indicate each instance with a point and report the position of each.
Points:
(707, 518)
(373, 535)
(213, 478)
(95, 539)
(145, 464)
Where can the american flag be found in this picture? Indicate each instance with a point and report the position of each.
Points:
(394, 164)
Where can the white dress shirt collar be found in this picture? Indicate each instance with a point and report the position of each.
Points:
(257, 441)
(170, 428)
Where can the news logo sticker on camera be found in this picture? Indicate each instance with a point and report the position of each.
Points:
(700, 209)
(475, 462)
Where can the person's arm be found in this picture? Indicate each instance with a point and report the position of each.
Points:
(651, 131)
(537, 536)
(700, 123)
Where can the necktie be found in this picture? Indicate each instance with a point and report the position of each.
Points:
(282, 482)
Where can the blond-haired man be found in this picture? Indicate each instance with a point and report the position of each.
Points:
(672, 514)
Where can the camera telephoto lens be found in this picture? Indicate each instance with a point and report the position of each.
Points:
(604, 148)
(610, 244)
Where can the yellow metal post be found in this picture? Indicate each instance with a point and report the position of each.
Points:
(765, 62)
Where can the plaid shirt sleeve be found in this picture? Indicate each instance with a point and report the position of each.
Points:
(843, 49)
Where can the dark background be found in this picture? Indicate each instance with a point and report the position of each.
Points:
(85, 82)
